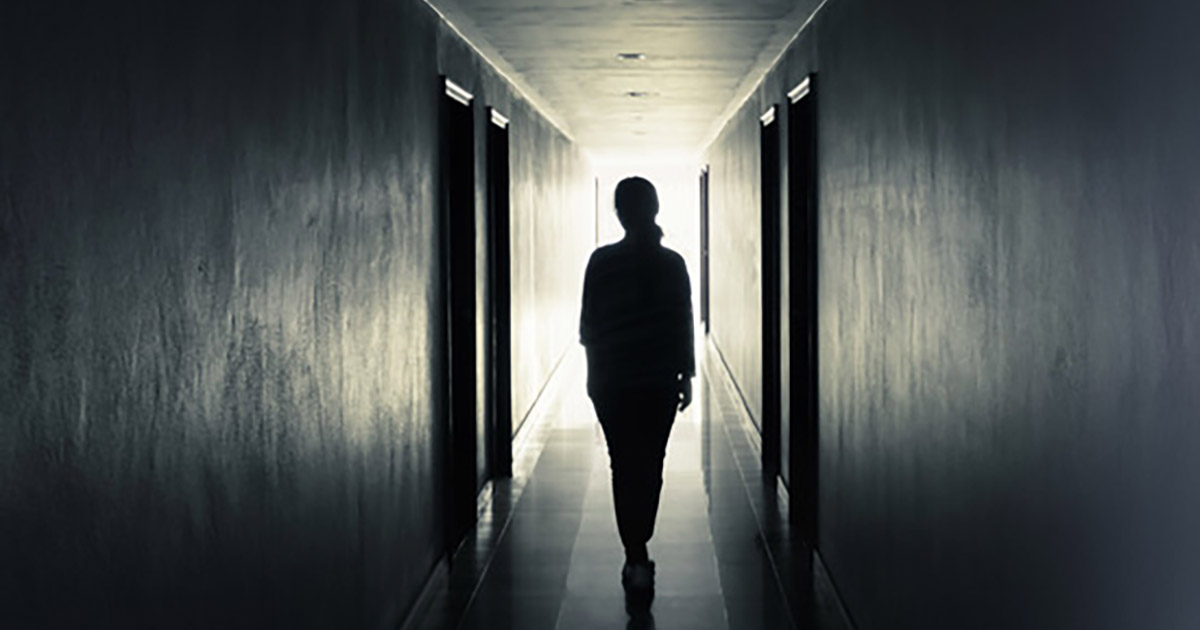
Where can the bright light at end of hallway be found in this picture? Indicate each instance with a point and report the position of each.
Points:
(675, 176)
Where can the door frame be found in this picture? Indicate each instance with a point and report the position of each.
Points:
(770, 189)
(457, 288)
(499, 334)
(705, 277)
(803, 234)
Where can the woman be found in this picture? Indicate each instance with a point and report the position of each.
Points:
(636, 325)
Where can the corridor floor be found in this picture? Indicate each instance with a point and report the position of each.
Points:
(546, 552)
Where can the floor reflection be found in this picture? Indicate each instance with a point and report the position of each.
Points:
(547, 554)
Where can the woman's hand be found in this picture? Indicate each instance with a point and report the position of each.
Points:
(685, 392)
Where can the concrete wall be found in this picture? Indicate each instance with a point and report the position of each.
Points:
(552, 230)
(1010, 341)
(735, 254)
(553, 233)
(217, 272)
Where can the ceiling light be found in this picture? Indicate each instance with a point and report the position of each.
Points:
(637, 94)
(631, 56)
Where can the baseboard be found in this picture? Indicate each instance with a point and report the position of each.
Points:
(823, 581)
(523, 439)
(825, 588)
(537, 399)
(434, 583)
(736, 387)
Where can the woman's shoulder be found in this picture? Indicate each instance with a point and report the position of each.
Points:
(603, 253)
(620, 254)
(672, 257)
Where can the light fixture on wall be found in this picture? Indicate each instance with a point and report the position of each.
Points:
(498, 119)
(801, 90)
(456, 92)
(631, 56)
(768, 117)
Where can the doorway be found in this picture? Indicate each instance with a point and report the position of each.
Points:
(499, 383)
(704, 273)
(802, 306)
(456, 222)
(771, 350)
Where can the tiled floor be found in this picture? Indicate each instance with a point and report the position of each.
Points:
(546, 553)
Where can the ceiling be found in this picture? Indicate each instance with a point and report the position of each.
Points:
(702, 58)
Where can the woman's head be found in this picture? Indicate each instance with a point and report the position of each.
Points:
(637, 204)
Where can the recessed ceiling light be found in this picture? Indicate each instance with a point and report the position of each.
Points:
(631, 56)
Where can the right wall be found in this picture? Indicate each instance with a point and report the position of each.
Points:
(1009, 303)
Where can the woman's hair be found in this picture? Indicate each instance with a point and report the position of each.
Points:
(637, 204)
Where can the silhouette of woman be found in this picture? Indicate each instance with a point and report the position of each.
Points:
(636, 326)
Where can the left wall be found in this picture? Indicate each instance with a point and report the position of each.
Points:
(218, 275)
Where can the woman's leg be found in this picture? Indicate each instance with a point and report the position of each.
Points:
(657, 415)
(617, 417)
(636, 428)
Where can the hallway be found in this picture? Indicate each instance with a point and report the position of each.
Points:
(546, 553)
(292, 297)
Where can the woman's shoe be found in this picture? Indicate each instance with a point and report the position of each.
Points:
(638, 575)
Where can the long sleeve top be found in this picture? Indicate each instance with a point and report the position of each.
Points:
(636, 321)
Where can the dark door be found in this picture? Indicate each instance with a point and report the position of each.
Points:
(770, 293)
(802, 307)
(704, 279)
(457, 227)
(596, 212)
(500, 303)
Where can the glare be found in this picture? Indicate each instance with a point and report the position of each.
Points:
(677, 182)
